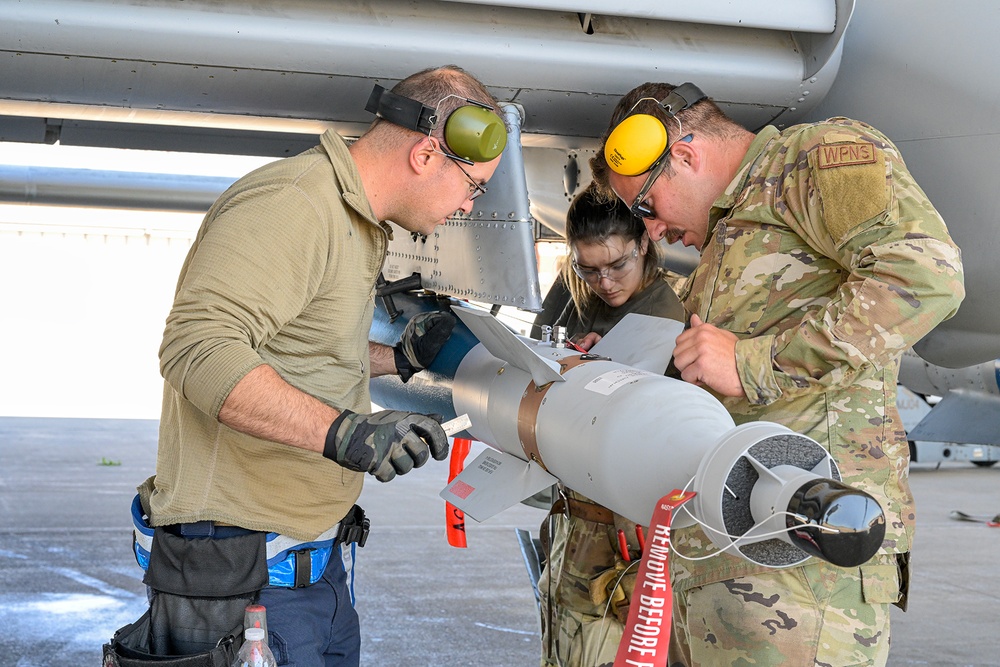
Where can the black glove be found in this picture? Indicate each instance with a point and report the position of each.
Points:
(422, 339)
(385, 443)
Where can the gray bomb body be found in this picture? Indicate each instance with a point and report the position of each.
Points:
(603, 416)
(626, 437)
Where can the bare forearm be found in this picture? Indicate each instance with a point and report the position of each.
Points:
(382, 359)
(263, 405)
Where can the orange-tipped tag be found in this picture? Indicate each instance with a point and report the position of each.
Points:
(454, 517)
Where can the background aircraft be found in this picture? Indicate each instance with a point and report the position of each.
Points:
(264, 77)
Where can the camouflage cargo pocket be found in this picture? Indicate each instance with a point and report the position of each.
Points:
(880, 583)
(596, 643)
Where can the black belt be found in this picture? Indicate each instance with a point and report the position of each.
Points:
(207, 529)
(353, 528)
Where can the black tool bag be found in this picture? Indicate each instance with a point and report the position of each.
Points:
(130, 647)
(200, 590)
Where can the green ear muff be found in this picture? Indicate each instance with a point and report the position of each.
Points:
(472, 132)
(475, 133)
(635, 144)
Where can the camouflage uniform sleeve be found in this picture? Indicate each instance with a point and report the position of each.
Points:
(676, 281)
(848, 195)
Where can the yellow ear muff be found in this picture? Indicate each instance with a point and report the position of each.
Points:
(475, 133)
(635, 144)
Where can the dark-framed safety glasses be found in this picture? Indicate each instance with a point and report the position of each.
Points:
(476, 190)
(639, 207)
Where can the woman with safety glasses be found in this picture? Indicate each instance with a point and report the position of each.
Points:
(613, 270)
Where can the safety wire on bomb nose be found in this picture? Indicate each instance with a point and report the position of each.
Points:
(737, 540)
(646, 635)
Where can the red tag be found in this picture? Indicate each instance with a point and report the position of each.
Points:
(646, 639)
(454, 517)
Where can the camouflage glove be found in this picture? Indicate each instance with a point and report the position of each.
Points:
(422, 339)
(385, 443)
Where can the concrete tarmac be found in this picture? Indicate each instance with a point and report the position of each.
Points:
(68, 579)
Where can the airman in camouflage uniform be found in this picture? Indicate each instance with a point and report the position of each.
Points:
(822, 260)
(586, 584)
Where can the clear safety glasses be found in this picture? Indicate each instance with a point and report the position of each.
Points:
(616, 271)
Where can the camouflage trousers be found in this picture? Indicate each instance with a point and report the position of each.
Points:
(815, 615)
(584, 591)
(583, 640)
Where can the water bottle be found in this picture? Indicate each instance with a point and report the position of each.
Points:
(255, 616)
(255, 652)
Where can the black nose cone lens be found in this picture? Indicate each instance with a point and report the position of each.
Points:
(846, 526)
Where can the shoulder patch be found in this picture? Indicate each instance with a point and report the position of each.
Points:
(851, 180)
(843, 155)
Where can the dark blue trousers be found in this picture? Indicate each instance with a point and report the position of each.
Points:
(316, 626)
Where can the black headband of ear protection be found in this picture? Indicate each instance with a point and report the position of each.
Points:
(402, 111)
(680, 98)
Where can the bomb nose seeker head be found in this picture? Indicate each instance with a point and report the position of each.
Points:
(846, 525)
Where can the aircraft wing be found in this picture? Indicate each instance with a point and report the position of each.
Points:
(264, 77)
(963, 416)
